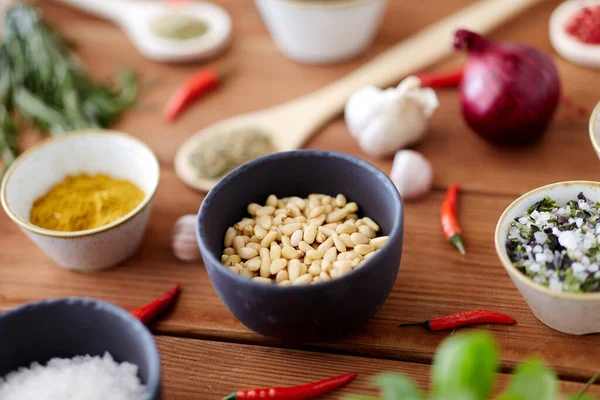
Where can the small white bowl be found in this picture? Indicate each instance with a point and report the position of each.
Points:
(573, 313)
(594, 129)
(38, 169)
(322, 31)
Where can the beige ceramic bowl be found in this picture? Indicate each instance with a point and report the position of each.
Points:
(37, 170)
(574, 313)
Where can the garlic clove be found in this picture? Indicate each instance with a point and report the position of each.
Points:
(412, 174)
(183, 240)
(361, 108)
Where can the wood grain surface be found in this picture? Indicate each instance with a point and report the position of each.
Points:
(433, 279)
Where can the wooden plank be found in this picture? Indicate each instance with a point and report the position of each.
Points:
(195, 369)
(455, 152)
(433, 280)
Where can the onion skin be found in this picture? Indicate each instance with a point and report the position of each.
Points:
(509, 92)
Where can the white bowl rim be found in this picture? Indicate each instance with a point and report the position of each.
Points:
(592, 128)
(320, 5)
(88, 232)
(513, 271)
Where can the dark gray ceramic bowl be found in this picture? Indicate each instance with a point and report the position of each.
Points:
(313, 312)
(73, 326)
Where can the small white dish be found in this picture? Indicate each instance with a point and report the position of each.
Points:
(573, 313)
(594, 129)
(317, 32)
(38, 169)
(567, 46)
(136, 18)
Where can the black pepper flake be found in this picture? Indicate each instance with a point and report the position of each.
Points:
(554, 245)
(580, 196)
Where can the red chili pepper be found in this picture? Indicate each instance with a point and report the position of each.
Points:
(464, 319)
(444, 79)
(205, 80)
(307, 391)
(150, 311)
(450, 224)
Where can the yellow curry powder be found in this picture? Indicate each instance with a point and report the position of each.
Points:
(85, 202)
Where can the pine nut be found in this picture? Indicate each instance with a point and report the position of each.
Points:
(265, 221)
(371, 224)
(303, 268)
(334, 273)
(345, 268)
(265, 210)
(336, 215)
(314, 270)
(232, 260)
(277, 265)
(303, 280)
(255, 246)
(238, 243)
(352, 207)
(326, 245)
(326, 265)
(359, 238)
(333, 226)
(317, 211)
(345, 238)
(223, 258)
(320, 237)
(299, 202)
(319, 220)
(260, 279)
(307, 260)
(379, 242)
(239, 267)
(340, 264)
(346, 228)
(324, 276)
(338, 243)
(367, 231)
(368, 256)
(314, 254)
(234, 270)
(294, 270)
(301, 219)
(289, 229)
(278, 219)
(349, 256)
(252, 207)
(326, 231)
(292, 210)
(253, 264)
(259, 231)
(328, 208)
(296, 237)
(271, 200)
(230, 234)
(247, 253)
(246, 273)
(289, 252)
(355, 262)
(265, 262)
(326, 199)
(310, 233)
(285, 283)
(317, 263)
(282, 276)
(304, 247)
(340, 200)
(248, 230)
(330, 255)
(352, 217)
(254, 239)
(268, 239)
(315, 280)
(285, 241)
(275, 251)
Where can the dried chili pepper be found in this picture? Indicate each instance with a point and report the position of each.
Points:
(307, 391)
(465, 318)
(150, 311)
(443, 79)
(205, 80)
(450, 224)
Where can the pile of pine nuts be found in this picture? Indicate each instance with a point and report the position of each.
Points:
(295, 241)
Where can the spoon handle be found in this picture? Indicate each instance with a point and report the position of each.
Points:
(110, 9)
(413, 54)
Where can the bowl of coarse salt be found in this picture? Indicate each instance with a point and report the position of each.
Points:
(76, 349)
(547, 240)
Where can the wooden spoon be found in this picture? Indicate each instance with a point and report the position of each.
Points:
(290, 124)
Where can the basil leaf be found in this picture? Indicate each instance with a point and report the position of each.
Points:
(395, 386)
(531, 380)
(465, 362)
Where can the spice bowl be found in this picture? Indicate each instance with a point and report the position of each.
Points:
(77, 326)
(572, 313)
(594, 129)
(303, 313)
(37, 170)
(324, 31)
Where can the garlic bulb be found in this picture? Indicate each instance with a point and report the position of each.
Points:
(412, 174)
(384, 121)
(183, 240)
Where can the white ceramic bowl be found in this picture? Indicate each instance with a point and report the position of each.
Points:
(594, 129)
(37, 170)
(573, 313)
(322, 31)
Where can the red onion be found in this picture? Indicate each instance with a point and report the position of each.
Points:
(509, 92)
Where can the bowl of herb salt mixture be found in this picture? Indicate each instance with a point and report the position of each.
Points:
(85, 198)
(76, 348)
(549, 243)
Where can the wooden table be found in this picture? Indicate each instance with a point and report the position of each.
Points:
(206, 352)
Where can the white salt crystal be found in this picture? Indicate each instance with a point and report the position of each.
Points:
(78, 378)
(579, 222)
(538, 249)
(555, 284)
(535, 267)
(540, 258)
(593, 268)
(568, 240)
(540, 237)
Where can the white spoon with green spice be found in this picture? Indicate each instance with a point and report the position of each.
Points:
(290, 124)
(166, 31)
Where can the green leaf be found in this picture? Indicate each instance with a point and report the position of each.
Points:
(465, 362)
(531, 380)
(397, 387)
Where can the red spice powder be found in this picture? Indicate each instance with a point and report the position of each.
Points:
(585, 25)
